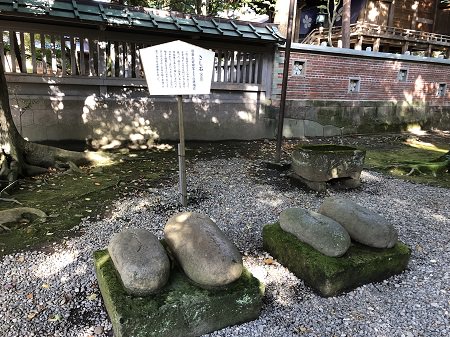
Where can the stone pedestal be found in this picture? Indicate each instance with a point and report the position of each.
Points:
(181, 309)
(330, 276)
(315, 165)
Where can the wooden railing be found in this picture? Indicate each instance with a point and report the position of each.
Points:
(106, 55)
(373, 30)
(237, 67)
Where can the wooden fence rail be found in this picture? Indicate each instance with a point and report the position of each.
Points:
(86, 54)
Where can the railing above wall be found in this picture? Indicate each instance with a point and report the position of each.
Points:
(78, 53)
(406, 38)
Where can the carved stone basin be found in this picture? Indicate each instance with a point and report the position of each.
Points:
(315, 165)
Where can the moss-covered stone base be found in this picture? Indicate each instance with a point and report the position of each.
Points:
(330, 276)
(181, 309)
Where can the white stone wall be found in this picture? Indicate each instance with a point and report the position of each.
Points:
(108, 115)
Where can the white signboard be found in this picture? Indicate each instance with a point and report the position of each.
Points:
(177, 68)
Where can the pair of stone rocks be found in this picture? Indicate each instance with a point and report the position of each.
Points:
(337, 222)
(201, 249)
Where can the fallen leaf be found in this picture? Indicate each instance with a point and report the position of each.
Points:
(32, 314)
(54, 318)
(21, 258)
(45, 286)
(268, 261)
(30, 296)
(92, 297)
(301, 329)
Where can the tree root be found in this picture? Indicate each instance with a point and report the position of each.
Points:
(15, 214)
(10, 185)
(434, 168)
(414, 170)
(11, 200)
(49, 156)
(38, 158)
(5, 228)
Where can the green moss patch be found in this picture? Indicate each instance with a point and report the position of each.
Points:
(409, 163)
(181, 309)
(330, 276)
(67, 198)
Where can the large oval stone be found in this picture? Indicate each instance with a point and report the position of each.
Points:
(203, 251)
(141, 261)
(363, 225)
(318, 231)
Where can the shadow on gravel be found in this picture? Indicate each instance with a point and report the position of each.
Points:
(67, 198)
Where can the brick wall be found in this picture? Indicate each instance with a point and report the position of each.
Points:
(321, 93)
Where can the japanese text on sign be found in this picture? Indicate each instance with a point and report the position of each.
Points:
(177, 68)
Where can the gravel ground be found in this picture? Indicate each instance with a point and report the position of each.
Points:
(55, 293)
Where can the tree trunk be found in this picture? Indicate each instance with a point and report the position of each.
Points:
(331, 20)
(346, 23)
(18, 157)
(10, 149)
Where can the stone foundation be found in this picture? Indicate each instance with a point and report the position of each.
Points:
(181, 309)
(330, 276)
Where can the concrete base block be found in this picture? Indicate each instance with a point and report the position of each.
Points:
(330, 276)
(293, 128)
(181, 309)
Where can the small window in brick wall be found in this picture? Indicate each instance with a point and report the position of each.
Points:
(354, 85)
(299, 68)
(402, 75)
(442, 88)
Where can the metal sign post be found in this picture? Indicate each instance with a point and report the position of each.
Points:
(178, 68)
(182, 154)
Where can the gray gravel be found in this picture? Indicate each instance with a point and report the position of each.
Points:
(56, 294)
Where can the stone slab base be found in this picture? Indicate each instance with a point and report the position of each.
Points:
(318, 186)
(181, 309)
(330, 276)
(321, 186)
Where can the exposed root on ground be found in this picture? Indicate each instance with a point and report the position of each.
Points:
(16, 214)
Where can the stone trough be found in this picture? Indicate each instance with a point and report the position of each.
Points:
(315, 165)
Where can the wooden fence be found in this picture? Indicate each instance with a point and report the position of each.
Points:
(41, 50)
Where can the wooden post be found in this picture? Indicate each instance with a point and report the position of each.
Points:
(359, 44)
(376, 45)
(429, 51)
(181, 154)
(287, 54)
(405, 47)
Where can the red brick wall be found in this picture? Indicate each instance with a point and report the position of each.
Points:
(384, 103)
(327, 78)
